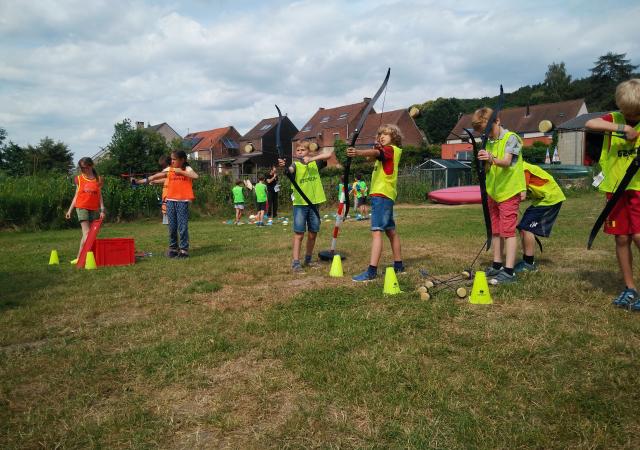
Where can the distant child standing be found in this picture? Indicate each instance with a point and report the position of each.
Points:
(307, 175)
(179, 194)
(618, 151)
(538, 219)
(238, 200)
(261, 200)
(273, 187)
(384, 182)
(505, 188)
(360, 192)
(87, 200)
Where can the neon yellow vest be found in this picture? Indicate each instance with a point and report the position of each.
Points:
(238, 195)
(261, 192)
(308, 178)
(384, 184)
(546, 195)
(615, 159)
(504, 182)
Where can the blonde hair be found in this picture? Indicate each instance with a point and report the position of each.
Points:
(628, 97)
(480, 118)
(304, 144)
(393, 131)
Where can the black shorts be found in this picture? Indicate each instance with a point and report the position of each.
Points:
(539, 219)
(361, 201)
(262, 206)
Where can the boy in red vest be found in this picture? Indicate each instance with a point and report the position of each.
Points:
(618, 151)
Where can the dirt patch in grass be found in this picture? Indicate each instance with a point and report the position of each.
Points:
(236, 405)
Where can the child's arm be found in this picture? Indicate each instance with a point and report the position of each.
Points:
(188, 172)
(322, 156)
(151, 178)
(282, 163)
(599, 124)
(367, 153)
(73, 203)
(102, 210)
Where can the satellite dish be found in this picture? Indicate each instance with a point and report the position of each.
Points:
(414, 112)
(545, 126)
(313, 146)
(248, 148)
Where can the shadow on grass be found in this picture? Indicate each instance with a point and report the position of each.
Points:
(205, 250)
(20, 287)
(608, 281)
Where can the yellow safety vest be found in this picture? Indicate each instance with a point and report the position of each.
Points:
(546, 195)
(504, 182)
(384, 184)
(616, 156)
(308, 178)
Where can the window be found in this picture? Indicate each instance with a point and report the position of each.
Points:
(265, 127)
(230, 143)
(325, 119)
(306, 129)
(343, 116)
(336, 137)
(464, 156)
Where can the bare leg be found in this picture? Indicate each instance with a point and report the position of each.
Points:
(376, 248)
(297, 243)
(528, 242)
(496, 242)
(625, 259)
(394, 240)
(85, 225)
(511, 244)
(311, 242)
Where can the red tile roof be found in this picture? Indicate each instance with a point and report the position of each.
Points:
(341, 117)
(209, 138)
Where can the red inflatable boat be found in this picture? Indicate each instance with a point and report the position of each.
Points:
(456, 195)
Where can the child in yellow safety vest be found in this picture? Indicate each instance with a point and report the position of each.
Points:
(505, 188)
(538, 219)
(307, 175)
(383, 194)
(87, 200)
(619, 149)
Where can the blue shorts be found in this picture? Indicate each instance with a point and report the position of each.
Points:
(539, 219)
(381, 214)
(303, 217)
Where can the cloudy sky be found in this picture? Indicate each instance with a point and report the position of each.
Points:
(71, 69)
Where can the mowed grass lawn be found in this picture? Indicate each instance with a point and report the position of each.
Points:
(230, 349)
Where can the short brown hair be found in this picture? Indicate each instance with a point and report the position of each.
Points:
(628, 97)
(306, 144)
(393, 131)
(480, 118)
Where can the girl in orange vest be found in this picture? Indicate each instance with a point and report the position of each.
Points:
(88, 198)
(180, 178)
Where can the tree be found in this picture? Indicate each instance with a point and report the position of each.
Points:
(613, 67)
(133, 150)
(13, 159)
(557, 82)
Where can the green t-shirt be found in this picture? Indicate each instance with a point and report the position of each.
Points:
(261, 192)
(238, 194)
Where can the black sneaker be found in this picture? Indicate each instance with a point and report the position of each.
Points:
(183, 254)
(172, 253)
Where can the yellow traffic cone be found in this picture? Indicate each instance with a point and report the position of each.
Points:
(480, 294)
(391, 285)
(90, 263)
(336, 267)
(53, 259)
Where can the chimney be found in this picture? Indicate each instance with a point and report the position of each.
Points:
(366, 99)
(527, 114)
(139, 125)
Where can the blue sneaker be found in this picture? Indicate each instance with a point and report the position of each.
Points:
(491, 272)
(627, 298)
(635, 306)
(400, 270)
(364, 277)
(524, 266)
(502, 278)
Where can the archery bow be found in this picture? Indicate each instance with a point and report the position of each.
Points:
(289, 175)
(480, 168)
(356, 133)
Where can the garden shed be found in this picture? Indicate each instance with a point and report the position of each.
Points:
(444, 173)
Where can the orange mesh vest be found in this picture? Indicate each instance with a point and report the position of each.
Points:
(88, 193)
(179, 187)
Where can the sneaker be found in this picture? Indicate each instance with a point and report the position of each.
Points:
(635, 306)
(297, 268)
(524, 266)
(364, 277)
(172, 253)
(627, 298)
(400, 271)
(491, 272)
(502, 278)
(182, 254)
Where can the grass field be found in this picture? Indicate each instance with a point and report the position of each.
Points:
(229, 349)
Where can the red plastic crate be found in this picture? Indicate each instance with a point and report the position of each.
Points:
(114, 252)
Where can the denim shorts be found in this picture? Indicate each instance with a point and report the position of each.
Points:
(381, 214)
(303, 217)
(539, 219)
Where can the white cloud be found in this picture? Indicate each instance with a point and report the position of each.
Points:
(72, 69)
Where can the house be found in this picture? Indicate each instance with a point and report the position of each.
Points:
(329, 125)
(258, 146)
(213, 149)
(576, 145)
(522, 120)
(163, 129)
